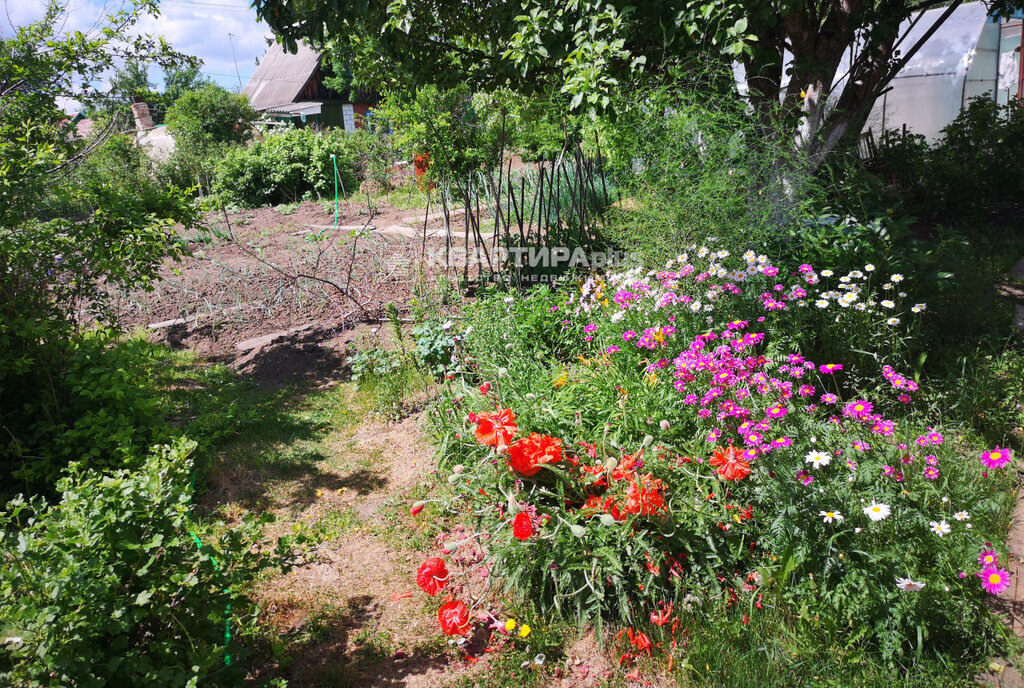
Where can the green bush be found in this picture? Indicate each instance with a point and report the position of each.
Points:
(118, 584)
(972, 171)
(210, 116)
(290, 166)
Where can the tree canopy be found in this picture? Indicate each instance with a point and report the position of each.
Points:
(587, 48)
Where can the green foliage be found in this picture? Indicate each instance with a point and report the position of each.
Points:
(210, 117)
(434, 345)
(289, 166)
(387, 377)
(693, 166)
(568, 366)
(66, 242)
(444, 124)
(982, 144)
(180, 79)
(118, 583)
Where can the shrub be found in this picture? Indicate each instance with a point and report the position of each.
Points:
(209, 117)
(119, 584)
(288, 166)
(982, 144)
(664, 446)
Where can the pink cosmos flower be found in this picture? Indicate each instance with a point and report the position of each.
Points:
(752, 439)
(777, 411)
(830, 368)
(804, 477)
(612, 350)
(931, 472)
(996, 458)
(987, 558)
(858, 408)
(994, 580)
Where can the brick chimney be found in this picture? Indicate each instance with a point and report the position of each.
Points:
(143, 120)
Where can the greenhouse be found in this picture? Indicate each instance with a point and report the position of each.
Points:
(970, 55)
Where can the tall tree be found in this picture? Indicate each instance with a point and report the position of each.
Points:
(182, 78)
(586, 48)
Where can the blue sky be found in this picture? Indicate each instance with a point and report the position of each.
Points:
(195, 27)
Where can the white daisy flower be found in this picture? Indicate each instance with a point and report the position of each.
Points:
(897, 278)
(940, 528)
(920, 307)
(827, 273)
(892, 321)
(830, 516)
(888, 304)
(908, 585)
(844, 279)
(861, 306)
(876, 511)
(702, 252)
(817, 459)
(856, 274)
(750, 256)
(870, 267)
(821, 303)
(849, 298)
(887, 285)
(961, 516)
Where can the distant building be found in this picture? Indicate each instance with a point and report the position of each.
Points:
(290, 87)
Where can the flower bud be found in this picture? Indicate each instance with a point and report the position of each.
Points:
(578, 530)
(417, 507)
(607, 520)
(664, 424)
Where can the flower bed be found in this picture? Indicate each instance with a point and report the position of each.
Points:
(649, 447)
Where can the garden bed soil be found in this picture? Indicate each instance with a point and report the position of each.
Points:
(240, 283)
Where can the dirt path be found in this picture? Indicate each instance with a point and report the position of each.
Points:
(352, 615)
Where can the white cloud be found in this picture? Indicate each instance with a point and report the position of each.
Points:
(194, 27)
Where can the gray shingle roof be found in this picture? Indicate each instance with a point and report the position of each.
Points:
(280, 76)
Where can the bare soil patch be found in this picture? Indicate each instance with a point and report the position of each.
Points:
(258, 272)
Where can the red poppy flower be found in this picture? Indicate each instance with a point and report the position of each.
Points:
(644, 497)
(663, 617)
(626, 468)
(485, 388)
(453, 617)
(527, 455)
(432, 575)
(730, 463)
(494, 429)
(522, 526)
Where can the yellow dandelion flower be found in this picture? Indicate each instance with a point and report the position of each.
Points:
(524, 630)
(510, 625)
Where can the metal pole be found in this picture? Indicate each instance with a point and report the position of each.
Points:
(235, 57)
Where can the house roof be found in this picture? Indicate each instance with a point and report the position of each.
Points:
(281, 76)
